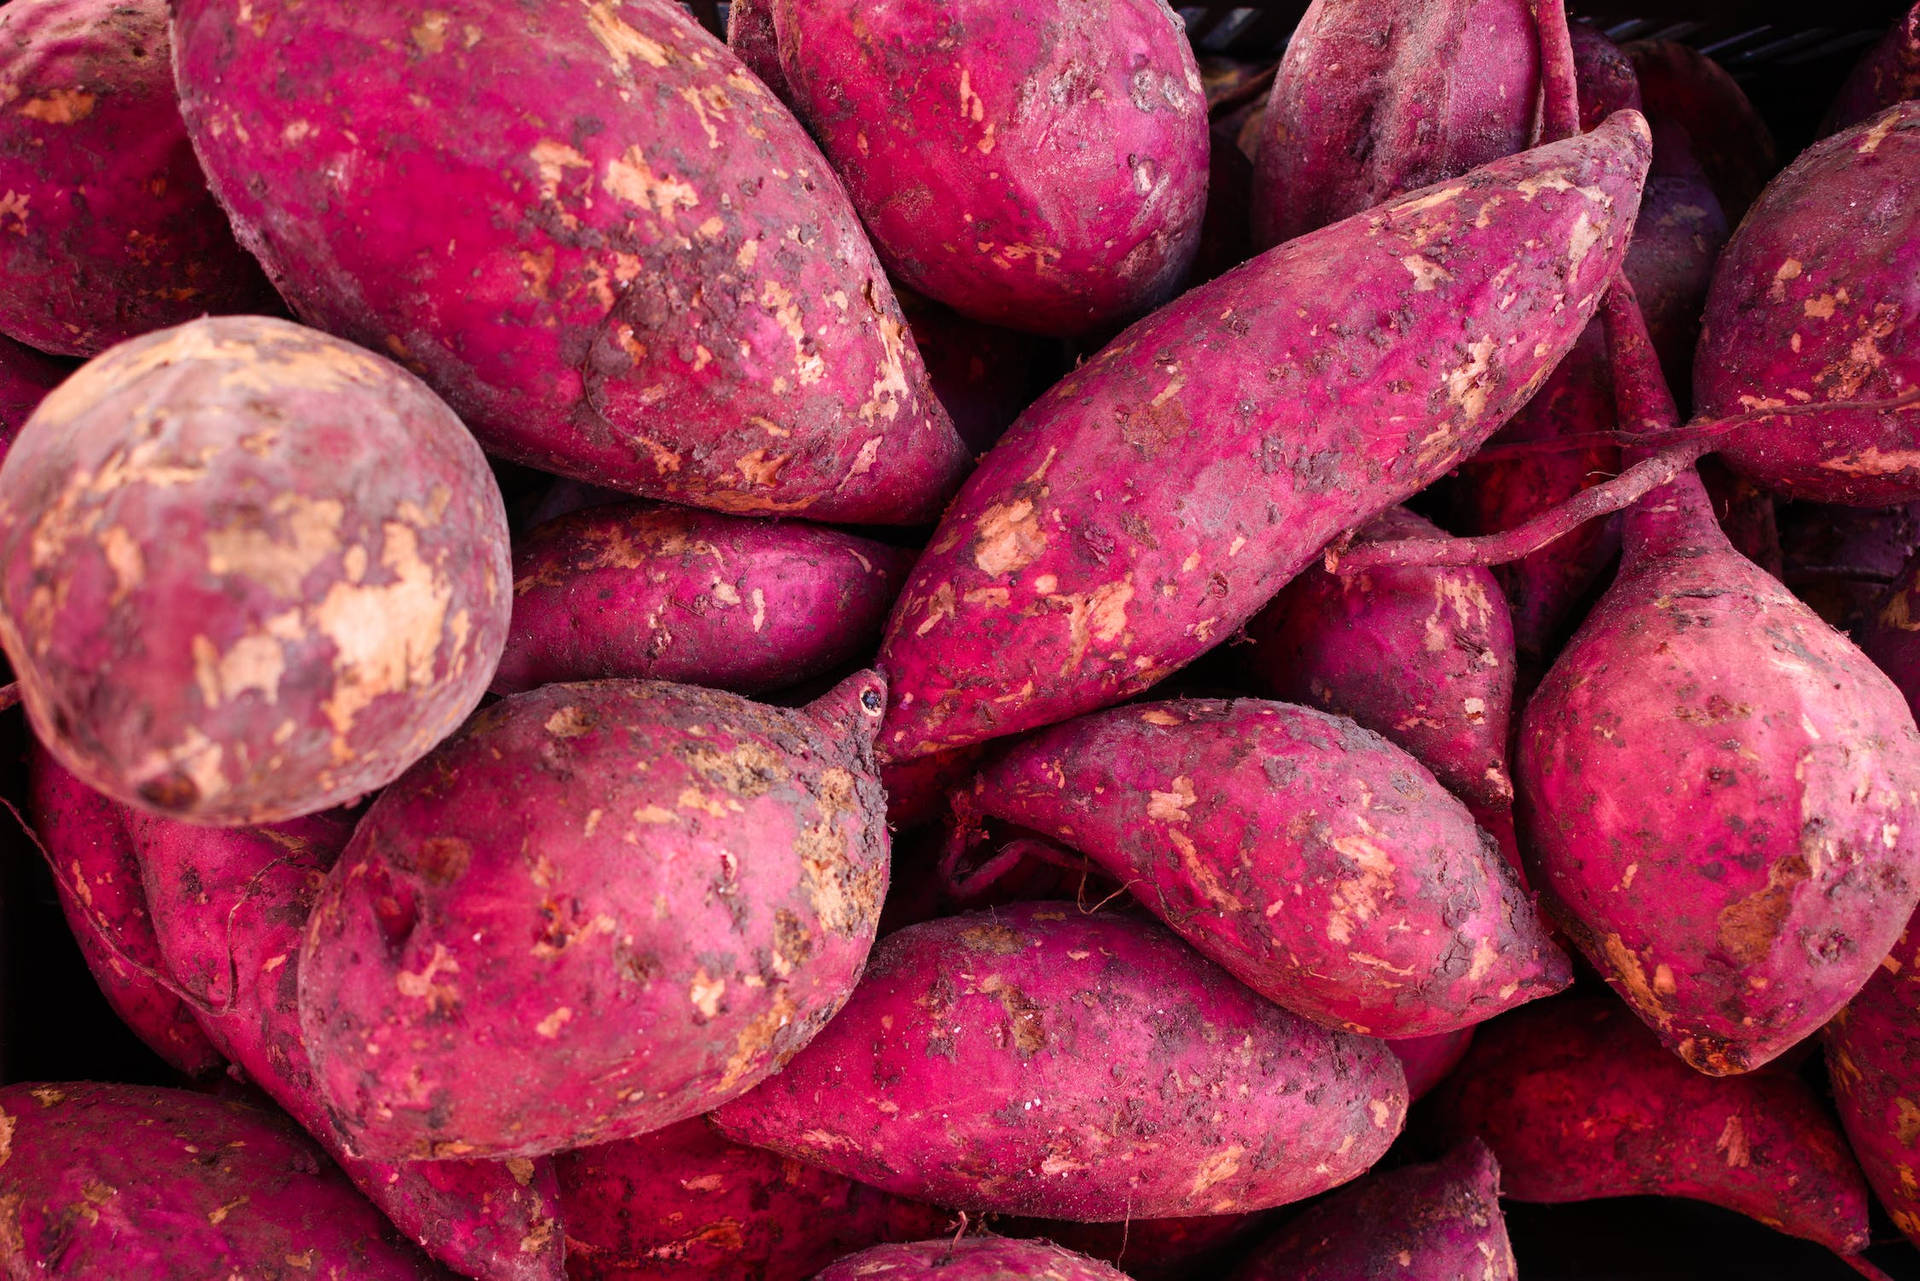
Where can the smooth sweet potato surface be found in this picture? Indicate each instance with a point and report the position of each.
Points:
(1603, 75)
(971, 1259)
(1429, 1060)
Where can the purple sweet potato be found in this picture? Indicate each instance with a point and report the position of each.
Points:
(685, 1202)
(1429, 1060)
(1873, 1060)
(984, 375)
(1889, 73)
(1745, 514)
(220, 617)
(917, 789)
(606, 244)
(970, 1259)
(1437, 1222)
(97, 877)
(26, 376)
(1372, 101)
(1841, 560)
(694, 918)
(653, 592)
(107, 230)
(1891, 636)
(1603, 75)
(1108, 539)
(751, 36)
(127, 1181)
(1577, 1101)
(1318, 863)
(1731, 141)
(1676, 242)
(1815, 299)
(1151, 1249)
(1038, 1060)
(1040, 166)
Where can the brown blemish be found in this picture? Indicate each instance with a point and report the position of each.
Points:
(1748, 927)
(60, 106)
(995, 940)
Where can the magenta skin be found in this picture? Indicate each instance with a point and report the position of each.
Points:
(1675, 245)
(1371, 102)
(653, 592)
(165, 1185)
(1436, 1222)
(1039, 166)
(751, 36)
(226, 621)
(616, 255)
(1817, 298)
(1429, 1060)
(533, 945)
(970, 1259)
(107, 230)
(1150, 1249)
(1681, 84)
(1578, 1102)
(984, 375)
(1039, 1060)
(1873, 1060)
(26, 376)
(684, 1202)
(1106, 541)
(1889, 73)
(97, 877)
(1603, 75)
(1319, 864)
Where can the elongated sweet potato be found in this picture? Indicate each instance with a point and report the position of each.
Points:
(1318, 863)
(675, 299)
(1889, 73)
(26, 376)
(1842, 560)
(1577, 1101)
(281, 563)
(1873, 1060)
(685, 1202)
(533, 944)
(1428, 1060)
(129, 1181)
(107, 231)
(1437, 1222)
(1731, 141)
(1038, 1060)
(648, 591)
(1108, 539)
(970, 1259)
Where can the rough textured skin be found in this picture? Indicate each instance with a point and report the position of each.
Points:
(1150, 503)
(1321, 865)
(230, 907)
(1817, 297)
(664, 593)
(1577, 1101)
(684, 1202)
(1721, 794)
(1374, 100)
(1041, 166)
(971, 1259)
(1038, 1060)
(1841, 561)
(107, 230)
(84, 836)
(534, 944)
(1676, 242)
(751, 36)
(220, 618)
(1681, 84)
(1873, 1060)
(26, 376)
(1151, 1249)
(129, 1181)
(1890, 73)
(983, 375)
(1428, 1060)
(1891, 636)
(1438, 1222)
(655, 282)
(1603, 75)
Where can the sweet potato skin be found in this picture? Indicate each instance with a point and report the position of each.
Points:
(984, 375)
(1578, 1101)
(26, 376)
(1603, 75)
(970, 1259)
(1039, 166)
(674, 298)
(1150, 1249)
(1676, 243)
(750, 34)
(685, 1202)
(1843, 561)
(253, 623)
(1889, 636)
(692, 923)
(1681, 84)
(1319, 864)
(1429, 1060)
(652, 592)
(1873, 1060)
(1889, 73)
(1010, 1061)
(1060, 580)
(196, 1187)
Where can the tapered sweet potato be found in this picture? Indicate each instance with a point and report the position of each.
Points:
(1150, 503)
(1428, 1060)
(1603, 74)
(1889, 73)
(1042, 1061)
(1731, 141)
(685, 1202)
(1317, 862)
(1873, 1060)
(632, 267)
(664, 593)
(1842, 560)
(1438, 1222)
(1577, 1101)
(26, 376)
(597, 910)
(970, 1259)
(107, 231)
(128, 1181)
(1041, 166)
(247, 571)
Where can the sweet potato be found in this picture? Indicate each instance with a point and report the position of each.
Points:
(984, 375)
(684, 1202)
(1151, 1249)
(129, 1181)
(1577, 1101)
(1873, 1060)
(1038, 1060)
(1841, 560)
(751, 36)
(1731, 141)
(26, 376)
(251, 622)
(1040, 166)
(1814, 300)
(1604, 78)
(1891, 636)
(1109, 539)
(664, 593)
(1889, 73)
(970, 1259)
(1676, 242)
(1319, 864)
(693, 920)
(1429, 1060)
(655, 283)
(1437, 1222)
(107, 231)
